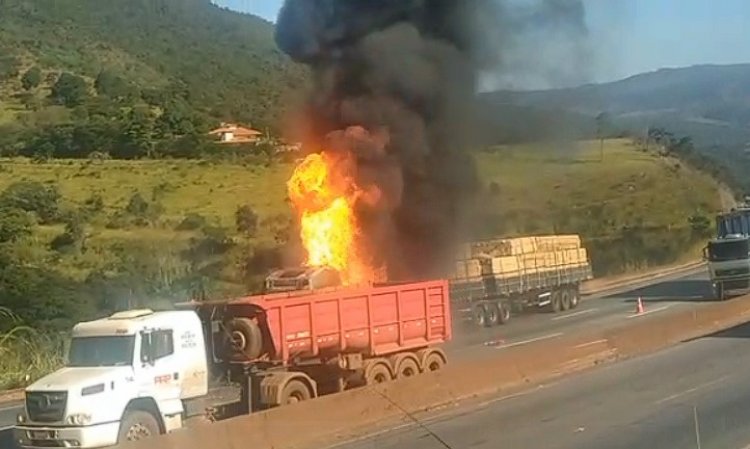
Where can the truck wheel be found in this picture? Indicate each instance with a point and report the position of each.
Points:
(574, 298)
(480, 316)
(246, 337)
(377, 374)
(137, 425)
(433, 362)
(503, 313)
(492, 314)
(407, 367)
(555, 302)
(565, 301)
(295, 391)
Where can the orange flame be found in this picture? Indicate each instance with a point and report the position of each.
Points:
(324, 198)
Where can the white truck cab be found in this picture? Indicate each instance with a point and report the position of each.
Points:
(728, 261)
(125, 379)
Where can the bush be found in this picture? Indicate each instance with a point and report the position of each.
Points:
(15, 224)
(32, 196)
(32, 78)
(191, 222)
(246, 220)
(72, 238)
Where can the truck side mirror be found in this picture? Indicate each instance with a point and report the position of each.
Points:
(705, 253)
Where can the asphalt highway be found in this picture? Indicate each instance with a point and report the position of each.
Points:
(667, 294)
(694, 395)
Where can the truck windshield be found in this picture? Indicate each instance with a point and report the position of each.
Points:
(101, 351)
(731, 250)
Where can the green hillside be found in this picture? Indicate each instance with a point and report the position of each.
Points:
(188, 57)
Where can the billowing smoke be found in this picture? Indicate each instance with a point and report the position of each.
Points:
(394, 86)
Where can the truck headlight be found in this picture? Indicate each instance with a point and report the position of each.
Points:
(79, 419)
(21, 418)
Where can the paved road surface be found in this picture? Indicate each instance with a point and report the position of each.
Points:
(668, 294)
(645, 403)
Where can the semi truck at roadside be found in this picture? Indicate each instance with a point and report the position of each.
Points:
(728, 255)
(140, 373)
(494, 278)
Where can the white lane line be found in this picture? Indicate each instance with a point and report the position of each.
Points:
(646, 312)
(531, 340)
(3, 429)
(691, 390)
(571, 315)
(466, 310)
(13, 407)
(591, 343)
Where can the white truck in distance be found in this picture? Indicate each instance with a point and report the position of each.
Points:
(728, 255)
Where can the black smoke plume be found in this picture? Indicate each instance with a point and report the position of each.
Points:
(394, 87)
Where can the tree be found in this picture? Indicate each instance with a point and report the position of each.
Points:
(246, 220)
(32, 196)
(111, 85)
(32, 78)
(69, 90)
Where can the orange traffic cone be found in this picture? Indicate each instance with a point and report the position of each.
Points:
(639, 306)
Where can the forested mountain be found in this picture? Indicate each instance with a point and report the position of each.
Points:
(187, 63)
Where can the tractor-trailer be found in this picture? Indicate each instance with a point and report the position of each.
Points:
(494, 277)
(140, 373)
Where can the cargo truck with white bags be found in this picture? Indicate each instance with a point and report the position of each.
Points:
(497, 277)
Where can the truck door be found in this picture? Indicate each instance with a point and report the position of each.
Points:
(159, 371)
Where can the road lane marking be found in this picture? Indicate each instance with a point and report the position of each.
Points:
(691, 390)
(571, 315)
(646, 312)
(3, 429)
(531, 340)
(13, 407)
(591, 343)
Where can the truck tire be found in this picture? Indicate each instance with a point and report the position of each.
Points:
(295, 391)
(246, 338)
(433, 362)
(480, 315)
(137, 425)
(492, 314)
(565, 300)
(555, 304)
(407, 367)
(503, 312)
(575, 298)
(377, 373)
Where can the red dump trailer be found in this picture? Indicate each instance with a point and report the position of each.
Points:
(326, 340)
(220, 359)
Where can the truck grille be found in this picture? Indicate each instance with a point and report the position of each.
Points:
(47, 406)
(733, 272)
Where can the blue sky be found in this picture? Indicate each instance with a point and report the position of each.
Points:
(633, 36)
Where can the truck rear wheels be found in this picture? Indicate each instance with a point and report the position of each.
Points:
(295, 391)
(137, 425)
(488, 314)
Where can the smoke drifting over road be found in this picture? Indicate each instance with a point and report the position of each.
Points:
(395, 84)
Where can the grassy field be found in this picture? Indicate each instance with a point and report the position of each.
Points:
(535, 188)
(541, 187)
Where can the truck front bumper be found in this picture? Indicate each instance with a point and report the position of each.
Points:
(92, 436)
